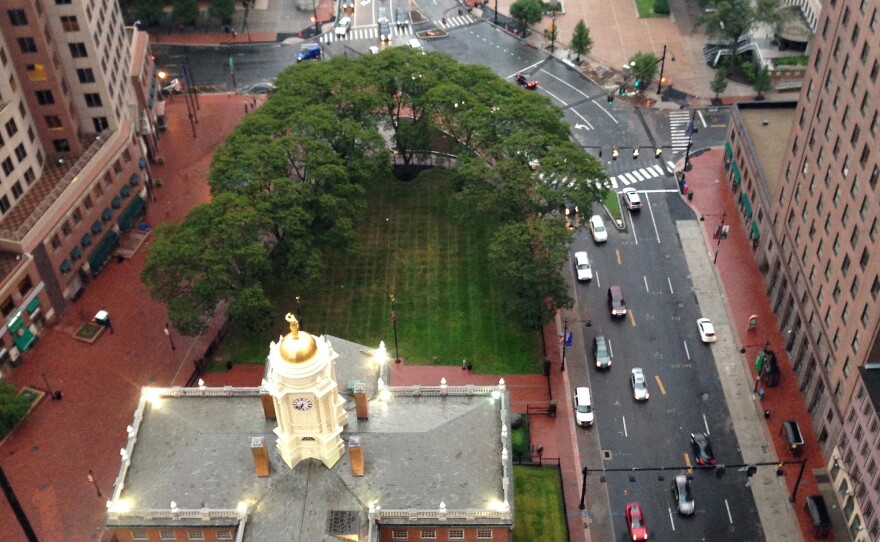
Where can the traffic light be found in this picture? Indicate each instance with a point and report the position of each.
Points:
(779, 471)
(751, 470)
(635, 153)
(614, 154)
(719, 471)
(610, 99)
(636, 84)
(658, 152)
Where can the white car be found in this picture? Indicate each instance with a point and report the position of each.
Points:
(597, 228)
(342, 26)
(582, 266)
(583, 407)
(374, 50)
(417, 45)
(707, 330)
(631, 199)
(639, 385)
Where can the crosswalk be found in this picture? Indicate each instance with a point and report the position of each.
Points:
(643, 174)
(678, 123)
(372, 31)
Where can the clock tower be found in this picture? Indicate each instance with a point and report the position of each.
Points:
(301, 378)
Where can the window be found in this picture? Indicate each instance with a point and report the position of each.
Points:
(167, 534)
(865, 317)
(875, 288)
(78, 50)
(44, 97)
(4, 204)
(873, 231)
(100, 123)
(139, 534)
(61, 145)
(17, 190)
(62, 2)
(224, 535)
(25, 286)
(456, 534)
(7, 306)
(93, 99)
(863, 260)
(857, 339)
(854, 137)
(20, 152)
(17, 17)
(85, 75)
(53, 122)
(854, 287)
(836, 292)
(195, 535)
(835, 247)
(429, 534)
(11, 127)
(27, 45)
(8, 166)
(836, 341)
(399, 534)
(484, 534)
(844, 267)
(69, 23)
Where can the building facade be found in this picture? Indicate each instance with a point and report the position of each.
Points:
(813, 212)
(76, 128)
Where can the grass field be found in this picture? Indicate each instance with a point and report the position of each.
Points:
(538, 504)
(519, 438)
(646, 9)
(612, 202)
(446, 303)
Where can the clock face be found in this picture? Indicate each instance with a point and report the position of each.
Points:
(302, 404)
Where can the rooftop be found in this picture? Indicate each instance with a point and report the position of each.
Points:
(769, 140)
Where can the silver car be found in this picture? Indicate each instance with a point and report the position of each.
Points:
(639, 385)
(683, 495)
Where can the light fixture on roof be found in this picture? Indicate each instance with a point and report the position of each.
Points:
(201, 384)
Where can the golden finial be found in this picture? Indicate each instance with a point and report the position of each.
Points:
(294, 325)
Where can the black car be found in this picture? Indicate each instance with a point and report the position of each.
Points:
(400, 17)
(384, 32)
(524, 81)
(702, 449)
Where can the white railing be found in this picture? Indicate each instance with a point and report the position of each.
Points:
(438, 391)
(203, 514)
(225, 391)
(468, 514)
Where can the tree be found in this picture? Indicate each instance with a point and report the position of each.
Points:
(733, 19)
(222, 10)
(643, 69)
(13, 407)
(186, 11)
(149, 12)
(526, 12)
(763, 83)
(581, 42)
(719, 82)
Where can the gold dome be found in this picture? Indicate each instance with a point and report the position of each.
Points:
(296, 346)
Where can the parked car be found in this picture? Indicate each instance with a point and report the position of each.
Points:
(384, 32)
(342, 26)
(414, 43)
(707, 330)
(523, 80)
(635, 522)
(311, 51)
(639, 385)
(616, 302)
(683, 494)
(383, 15)
(600, 352)
(631, 199)
(583, 407)
(597, 228)
(400, 17)
(582, 268)
(702, 449)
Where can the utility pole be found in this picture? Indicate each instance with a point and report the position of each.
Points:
(662, 65)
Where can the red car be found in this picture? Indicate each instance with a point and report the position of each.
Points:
(635, 522)
(523, 80)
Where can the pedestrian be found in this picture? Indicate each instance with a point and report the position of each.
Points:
(226, 28)
(255, 102)
(245, 107)
(761, 393)
(234, 34)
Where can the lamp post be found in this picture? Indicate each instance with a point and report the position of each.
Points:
(394, 325)
(691, 130)
(583, 505)
(496, 12)
(91, 478)
(662, 65)
(167, 332)
(760, 370)
(23, 521)
(299, 311)
(48, 387)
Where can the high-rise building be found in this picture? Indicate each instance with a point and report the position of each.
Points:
(805, 175)
(76, 128)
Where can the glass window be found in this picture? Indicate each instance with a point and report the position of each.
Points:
(17, 17)
(429, 534)
(69, 23)
(399, 534)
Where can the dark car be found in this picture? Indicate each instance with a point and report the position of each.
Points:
(702, 449)
(384, 32)
(400, 17)
(616, 302)
(600, 352)
(524, 81)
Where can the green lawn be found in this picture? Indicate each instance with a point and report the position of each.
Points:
(612, 202)
(646, 9)
(446, 303)
(538, 505)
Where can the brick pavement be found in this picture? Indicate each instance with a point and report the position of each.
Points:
(744, 291)
(48, 457)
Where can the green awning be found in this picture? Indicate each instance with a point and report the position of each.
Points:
(33, 305)
(134, 179)
(124, 192)
(728, 152)
(86, 240)
(755, 233)
(96, 226)
(65, 266)
(25, 340)
(736, 175)
(106, 214)
(15, 323)
(746, 204)
(142, 162)
(102, 252)
(127, 217)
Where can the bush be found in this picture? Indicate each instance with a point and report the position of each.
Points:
(661, 7)
(12, 408)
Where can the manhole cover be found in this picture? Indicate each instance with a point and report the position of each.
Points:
(704, 396)
(606, 454)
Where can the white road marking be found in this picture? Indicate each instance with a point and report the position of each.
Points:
(623, 180)
(638, 176)
(686, 351)
(633, 226)
(702, 119)
(646, 284)
(624, 426)
(706, 423)
(670, 290)
(527, 68)
(656, 231)
(610, 350)
(558, 99)
(578, 114)
(631, 177)
(657, 170)
(598, 282)
(671, 166)
(606, 112)
(671, 521)
(729, 516)
(613, 182)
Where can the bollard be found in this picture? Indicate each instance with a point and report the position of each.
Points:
(766, 414)
(690, 195)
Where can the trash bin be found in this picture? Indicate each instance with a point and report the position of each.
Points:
(793, 435)
(815, 507)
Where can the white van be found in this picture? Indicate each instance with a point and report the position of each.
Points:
(583, 407)
(417, 45)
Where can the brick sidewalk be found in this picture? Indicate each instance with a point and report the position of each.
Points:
(48, 457)
(744, 290)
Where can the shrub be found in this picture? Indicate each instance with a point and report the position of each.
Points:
(661, 7)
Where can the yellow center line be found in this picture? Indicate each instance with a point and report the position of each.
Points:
(617, 251)
(687, 460)
(632, 318)
(662, 389)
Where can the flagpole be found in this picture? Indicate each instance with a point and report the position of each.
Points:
(394, 325)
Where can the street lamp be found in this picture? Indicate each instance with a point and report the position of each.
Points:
(719, 233)
(585, 472)
(167, 332)
(394, 325)
(91, 478)
(564, 338)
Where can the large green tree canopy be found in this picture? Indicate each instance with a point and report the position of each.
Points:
(288, 184)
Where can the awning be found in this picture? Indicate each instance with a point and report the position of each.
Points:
(102, 252)
(117, 202)
(127, 218)
(33, 305)
(15, 323)
(744, 200)
(728, 152)
(25, 340)
(736, 175)
(755, 233)
(134, 179)
(97, 226)
(153, 89)
(65, 266)
(125, 191)
(142, 162)
(75, 253)
(86, 240)
(106, 214)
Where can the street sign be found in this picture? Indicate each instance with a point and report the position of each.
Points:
(568, 338)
